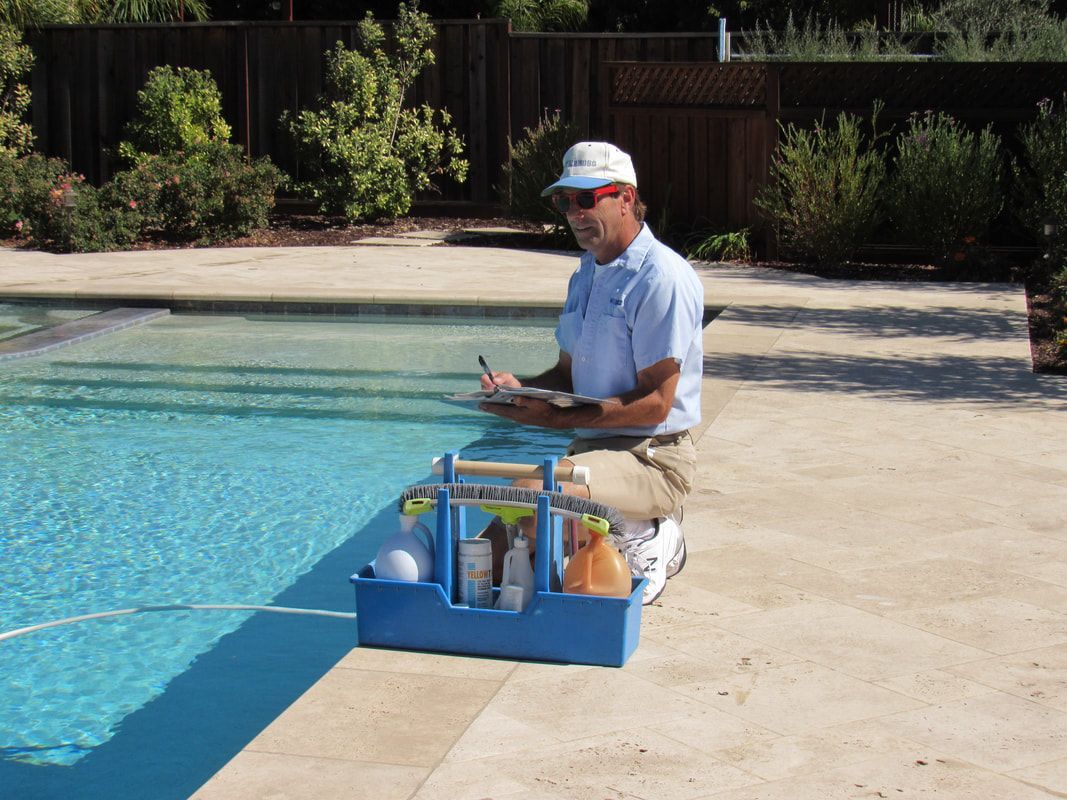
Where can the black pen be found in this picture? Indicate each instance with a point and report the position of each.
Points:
(489, 373)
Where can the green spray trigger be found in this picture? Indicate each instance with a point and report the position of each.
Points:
(417, 505)
(596, 524)
(509, 515)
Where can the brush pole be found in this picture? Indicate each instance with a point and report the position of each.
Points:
(492, 469)
(444, 552)
(543, 555)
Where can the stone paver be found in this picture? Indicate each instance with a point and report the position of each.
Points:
(875, 603)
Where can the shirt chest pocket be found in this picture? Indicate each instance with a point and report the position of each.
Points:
(569, 331)
(613, 335)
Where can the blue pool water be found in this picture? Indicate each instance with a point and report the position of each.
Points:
(215, 460)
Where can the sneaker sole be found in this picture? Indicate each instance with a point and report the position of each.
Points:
(681, 564)
(649, 601)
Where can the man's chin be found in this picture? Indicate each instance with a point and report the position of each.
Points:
(585, 241)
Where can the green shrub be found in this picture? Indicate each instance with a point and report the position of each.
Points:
(209, 193)
(366, 155)
(811, 41)
(12, 182)
(178, 109)
(185, 181)
(824, 188)
(85, 226)
(946, 183)
(1000, 30)
(1059, 285)
(26, 185)
(1044, 41)
(536, 162)
(16, 60)
(34, 13)
(1058, 288)
(1040, 171)
(543, 15)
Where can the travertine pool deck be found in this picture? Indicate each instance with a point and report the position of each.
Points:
(875, 601)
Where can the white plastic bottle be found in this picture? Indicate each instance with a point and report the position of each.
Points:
(403, 556)
(517, 573)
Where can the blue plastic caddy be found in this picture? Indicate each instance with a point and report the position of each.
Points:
(571, 628)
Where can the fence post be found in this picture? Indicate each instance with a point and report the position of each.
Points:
(773, 114)
(247, 93)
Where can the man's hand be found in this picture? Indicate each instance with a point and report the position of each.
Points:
(530, 411)
(500, 379)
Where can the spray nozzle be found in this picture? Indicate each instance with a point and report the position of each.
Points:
(596, 524)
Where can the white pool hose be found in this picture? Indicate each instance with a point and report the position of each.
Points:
(175, 607)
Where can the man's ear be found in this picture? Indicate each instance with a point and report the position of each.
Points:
(629, 197)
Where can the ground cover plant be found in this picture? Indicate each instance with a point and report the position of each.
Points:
(367, 155)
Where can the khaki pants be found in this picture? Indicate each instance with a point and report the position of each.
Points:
(643, 478)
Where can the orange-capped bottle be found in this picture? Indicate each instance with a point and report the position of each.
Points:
(598, 568)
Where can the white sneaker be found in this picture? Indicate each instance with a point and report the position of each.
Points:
(655, 552)
(677, 561)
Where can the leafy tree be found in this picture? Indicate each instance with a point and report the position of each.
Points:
(367, 155)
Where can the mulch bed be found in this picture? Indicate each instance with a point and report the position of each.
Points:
(288, 229)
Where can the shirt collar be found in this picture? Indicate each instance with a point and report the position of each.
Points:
(633, 256)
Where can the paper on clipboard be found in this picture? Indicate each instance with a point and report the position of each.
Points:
(507, 395)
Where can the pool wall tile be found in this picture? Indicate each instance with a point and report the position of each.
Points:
(378, 307)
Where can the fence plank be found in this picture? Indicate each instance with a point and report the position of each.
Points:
(478, 181)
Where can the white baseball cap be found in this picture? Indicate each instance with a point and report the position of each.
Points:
(590, 165)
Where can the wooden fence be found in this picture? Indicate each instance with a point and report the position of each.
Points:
(85, 84)
(492, 82)
(702, 133)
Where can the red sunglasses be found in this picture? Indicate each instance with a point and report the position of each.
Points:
(587, 199)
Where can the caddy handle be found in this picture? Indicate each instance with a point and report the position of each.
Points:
(493, 469)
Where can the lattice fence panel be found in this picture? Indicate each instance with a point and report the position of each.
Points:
(687, 85)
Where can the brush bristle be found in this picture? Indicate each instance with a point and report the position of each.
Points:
(567, 504)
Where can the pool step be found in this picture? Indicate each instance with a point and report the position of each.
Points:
(41, 341)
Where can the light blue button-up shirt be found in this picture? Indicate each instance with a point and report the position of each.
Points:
(625, 316)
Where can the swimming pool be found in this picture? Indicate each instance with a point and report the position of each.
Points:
(210, 459)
